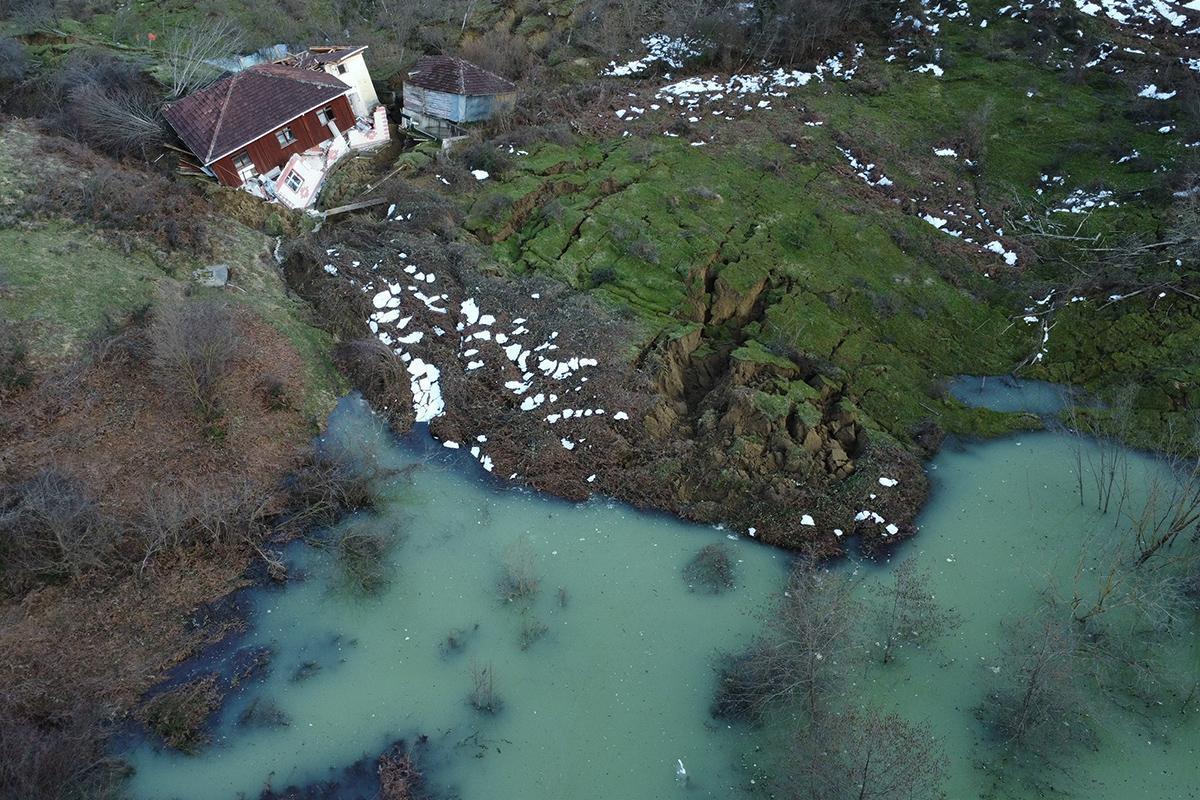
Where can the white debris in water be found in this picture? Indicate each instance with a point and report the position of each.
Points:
(451, 445)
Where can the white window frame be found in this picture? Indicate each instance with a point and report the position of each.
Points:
(285, 136)
(326, 115)
(297, 177)
(245, 171)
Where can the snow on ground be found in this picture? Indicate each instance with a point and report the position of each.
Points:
(867, 172)
(407, 315)
(1081, 201)
(660, 49)
(1136, 13)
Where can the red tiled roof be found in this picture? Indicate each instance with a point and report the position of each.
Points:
(456, 76)
(242, 107)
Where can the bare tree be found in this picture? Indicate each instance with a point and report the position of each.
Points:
(51, 530)
(193, 348)
(191, 51)
(910, 613)
(117, 121)
(1039, 701)
(799, 656)
(869, 755)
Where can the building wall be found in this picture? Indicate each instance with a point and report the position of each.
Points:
(266, 152)
(433, 104)
(357, 78)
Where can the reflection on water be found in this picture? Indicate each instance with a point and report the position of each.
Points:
(1006, 393)
(602, 675)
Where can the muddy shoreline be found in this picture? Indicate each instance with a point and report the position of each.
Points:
(662, 421)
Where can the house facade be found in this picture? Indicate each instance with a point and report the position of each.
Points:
(442, 93)
(250, 123)
(275, 130)
(347, 64)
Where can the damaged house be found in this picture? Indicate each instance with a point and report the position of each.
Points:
(442, 93)
(275, 130)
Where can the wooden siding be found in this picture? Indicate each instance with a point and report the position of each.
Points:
(431, 103)
(456, 107)
(267, 154)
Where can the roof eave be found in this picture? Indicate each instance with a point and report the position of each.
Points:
(253, 139)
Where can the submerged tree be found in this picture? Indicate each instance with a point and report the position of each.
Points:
(519, 580)
(1039, 703)
(483, 696)
(798, 658)
(869, 755)
(909, 612)
(711, 569)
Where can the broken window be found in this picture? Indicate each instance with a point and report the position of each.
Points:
(294, 181)
(341, 68)
(285, 137)
(326, 115)
(244, 166)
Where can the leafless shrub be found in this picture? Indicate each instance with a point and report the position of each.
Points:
(483, 697)
(51, 530)
(326, 487)
(519, 581)
(194, 344)
(798, 658)
(361, 557)
(179, 716)
(13, 62)
(190, 49)
(115, 197)
(909, 612)
(532, 629)
(976, 129)
(60, 755)
(644, 249)
(711, 569)
(207, 515)
(501, 52)
(375, 371)
(263, 713)
(399, 777)
(116, 121)
(15, 371)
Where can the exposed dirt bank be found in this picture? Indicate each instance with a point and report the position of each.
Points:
(547, 388)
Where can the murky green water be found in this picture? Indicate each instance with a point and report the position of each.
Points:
(602, 706)
(619, 687)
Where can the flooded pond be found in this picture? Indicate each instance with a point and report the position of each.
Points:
(603, 687)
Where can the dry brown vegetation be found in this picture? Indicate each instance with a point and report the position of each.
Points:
(120, 514)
